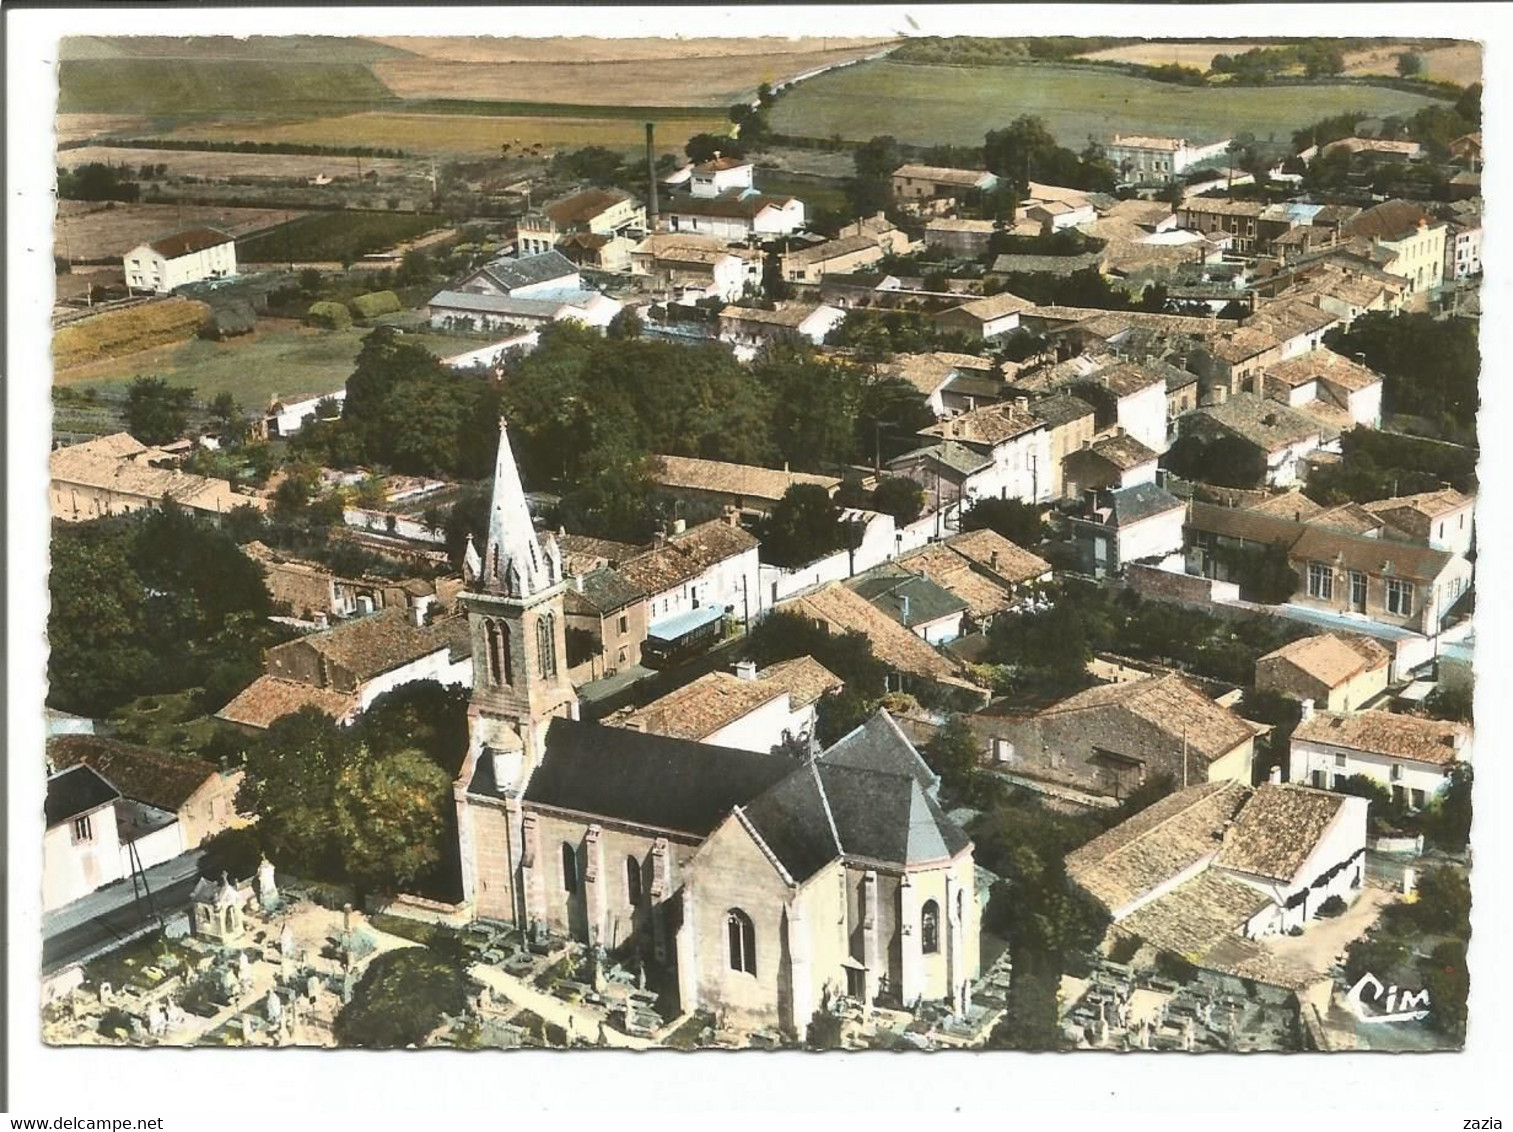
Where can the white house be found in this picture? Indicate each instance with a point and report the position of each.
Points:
(708, 569)
(698, 267)
(1142, 523)
(1409, 755)
(289, 415)
(81, 850)
(449, 309)
(738, 216)
(753, 327)
(1443, 519)
(185, 257)
(1322, 377)
(1015, 442)
(1144, 160)
(1463, 249)
(721, 175)
(985, 318)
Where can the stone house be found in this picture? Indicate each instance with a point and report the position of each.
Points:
(1111, 462)
(1337, 671)
(985, 318)
(1280, 436)
(749, 489)
(920, 182)
(117, 475)
(1443, 519)
(1324, 383)
(1105, 742)
(982, 569)
(1015, 443)
(605, 618)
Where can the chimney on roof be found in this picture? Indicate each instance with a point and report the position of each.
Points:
(1305, 712)
(651, 176)
(746, 669)
(679, 526)
(1228, 835)
(1457, 740)
(1022, 404)
(578, 582)
(993, 559)
(1274, 776)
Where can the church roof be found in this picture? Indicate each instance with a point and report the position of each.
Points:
(646, 780)
(879, 745)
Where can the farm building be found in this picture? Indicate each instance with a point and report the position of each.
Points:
(197, 254)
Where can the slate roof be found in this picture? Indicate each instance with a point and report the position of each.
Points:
(1330, 658)
(189, 241)
(533, 307)
(879, 745)
(910, 599)
(686, 555)
(139, 773)
(604, 591)
(646, 780)
(803, 678)
(1388, 734)
(1276, 830)
(976, 586)
(748, 480)
(509, 274)
(76, 791)
(268, 698)
(1167, 837)
(1132, 504)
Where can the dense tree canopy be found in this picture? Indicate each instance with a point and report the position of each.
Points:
(1429, 366)
(157, 412)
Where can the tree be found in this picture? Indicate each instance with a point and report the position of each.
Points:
(1015, 520)
(625, 325)
(1226, 461)
(804, 525)
(900, 497)
(157, 412)
(1452, 702)
(702, 147)
(1409, 63)
(388, 816)
(401, 997)
(1447, 821)
(1448, 982)
(290, 784)
(952, 753)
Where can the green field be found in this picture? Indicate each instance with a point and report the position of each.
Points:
(273, 48)
(334, 237)
(279, 359)
(816, 192)
(932, 105)
(196, 86)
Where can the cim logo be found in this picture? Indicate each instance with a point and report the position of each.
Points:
(1386, 1004)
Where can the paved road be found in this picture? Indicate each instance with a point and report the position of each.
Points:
(89, 925)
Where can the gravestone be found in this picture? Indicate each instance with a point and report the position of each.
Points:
(286, 941)
(267, 890)
(247, 1028)
(106, 992)
(274, 1007)
(157, 1020)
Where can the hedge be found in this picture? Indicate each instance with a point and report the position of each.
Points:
(375, 303)
(330, 316)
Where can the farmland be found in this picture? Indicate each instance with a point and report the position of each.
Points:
(207, 164)
(931, 104)
(160, 86)
(98, 231)
(1459, 63)
(279, 358)
(460, 134)
(119, 333)
(1156, 52)
(334, 237)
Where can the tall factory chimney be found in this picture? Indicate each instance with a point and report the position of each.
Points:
(651, 175)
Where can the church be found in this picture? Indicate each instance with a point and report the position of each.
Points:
(764, 885)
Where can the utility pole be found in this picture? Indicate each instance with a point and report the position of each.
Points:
(1184, 756)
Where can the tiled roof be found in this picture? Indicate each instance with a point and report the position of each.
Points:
(1061, 409)
(686, 556)
(1143, 141)
(1287, 318)
(107, 464)
(381, 642)
(700, 708)
(1123, 451)
(580, 208)
(832, 249)
(1244, 343)
(791, 315)
(1170, 705)
(1196, 915)
(1371, 555)
(686, 248)
(963, 178)
(75, 791)
(721, 164)
(1388, 734)
(582, 553)
(991, 424)
(1008, 264)
(1217, 206)
(1331, 658)
(139, 773)
(1351, 518)
(925, 372)
(803, 678)
(1167, 837)
(737, 204)
(1277, 829)
(532, 307)
(1416, 513)
(845, 611)
(1391, 220)
(959, 224)
(268, 698)
(1267, 424)
(747, 480)
(991, 307)
(190, 241)
(1323, 365)
(949, 454)
(1241, 523)
(604, 591)
(646, 780)
(991, 550)
(974, 575)
(1288, 505)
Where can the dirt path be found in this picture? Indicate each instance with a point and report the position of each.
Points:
(576, 1021)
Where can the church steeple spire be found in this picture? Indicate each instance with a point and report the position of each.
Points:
(516, 562)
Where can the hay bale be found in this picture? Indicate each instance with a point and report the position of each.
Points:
(229, 320)
(329, 316)
(116, 334)
(376, 303)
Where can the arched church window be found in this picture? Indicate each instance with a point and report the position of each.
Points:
(742, 938)
(569, 868)
(546, 645)
(633, 881)
(929, 928)
(498, 642)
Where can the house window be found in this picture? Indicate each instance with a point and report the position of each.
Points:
(1321, 581)
(84, 829)
(929, 928)
(741, 935)
(1399, 597)
(1339, 760)
(633, 881)
(1399, 795)
(569, 869)
(624, 624)
(1418, 799)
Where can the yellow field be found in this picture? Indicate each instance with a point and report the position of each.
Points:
(119, 333)
(585, 49)
(77, 127)
(699, 76)
(1461, 63)
(464, 134)
(1156, 52)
